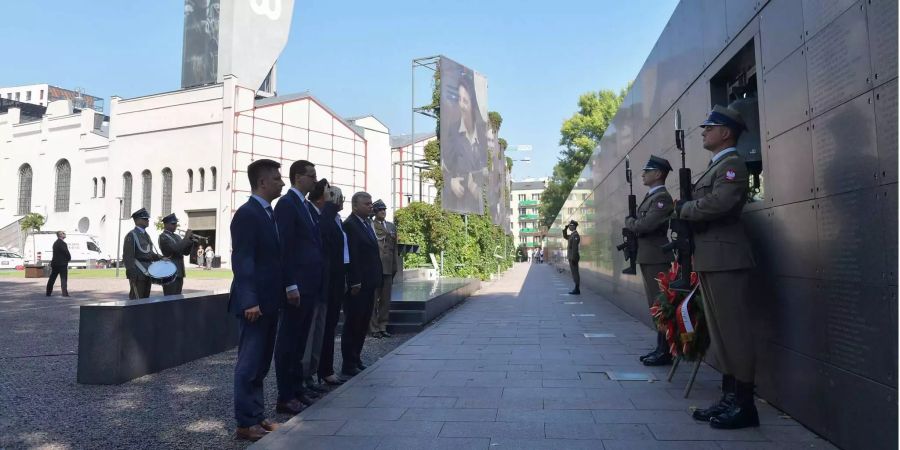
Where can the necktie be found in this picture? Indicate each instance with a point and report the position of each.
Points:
(369, 230)
(271, 214)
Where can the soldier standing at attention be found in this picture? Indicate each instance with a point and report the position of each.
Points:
(723, 259)
(137, 254)
(573, 255)
(650, 227)
(386, 234)
(175, 248)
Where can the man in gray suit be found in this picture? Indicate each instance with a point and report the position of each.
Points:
(175, 248)
(138, 254)
(572, 254)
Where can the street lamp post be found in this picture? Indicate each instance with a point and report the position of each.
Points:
(119, 239)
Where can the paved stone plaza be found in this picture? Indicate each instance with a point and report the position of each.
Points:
(41, 405)
(512, 368)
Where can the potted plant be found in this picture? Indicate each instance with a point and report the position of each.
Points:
(30, 224)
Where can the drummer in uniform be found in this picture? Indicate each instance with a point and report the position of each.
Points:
(175, 248)
(138, 254)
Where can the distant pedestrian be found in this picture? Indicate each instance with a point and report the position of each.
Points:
(210, 254)
(200, 253)
(59, 265)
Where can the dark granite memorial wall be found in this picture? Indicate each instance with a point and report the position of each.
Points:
(824, 224)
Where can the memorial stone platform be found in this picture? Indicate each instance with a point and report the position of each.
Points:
(522, 365)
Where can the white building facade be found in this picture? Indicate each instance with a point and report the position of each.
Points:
(407, 164)
(184, 152)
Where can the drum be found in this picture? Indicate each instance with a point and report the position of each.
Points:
(162, 272)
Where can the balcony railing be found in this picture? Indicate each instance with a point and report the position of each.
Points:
(529, 202)
(528, 217)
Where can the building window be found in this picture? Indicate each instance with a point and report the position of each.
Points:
(25, 176)
(535, 196)
(28, 96)
(212, 175)
(202, 173)
(95, 188)
(63, 180)
(9, 95)
(42, 95)
(126, 194)
(523, 211)
(146, 189)
(584, 196)
(522, 197)
(102, 187)
(190, 186)
(17, 96)
(167, 192)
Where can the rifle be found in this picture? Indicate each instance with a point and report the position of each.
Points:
(682, 237)
(629, 246)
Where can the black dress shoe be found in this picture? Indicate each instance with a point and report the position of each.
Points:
(659, 359)
(361, 367)
(575, 292)
(351, 372)
(331, 380)
(305, 399)
(292, 407)
(316, 388)
(386, 334)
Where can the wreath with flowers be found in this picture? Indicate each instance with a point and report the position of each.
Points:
(679, 315)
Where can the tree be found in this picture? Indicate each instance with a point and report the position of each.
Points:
(580, 135)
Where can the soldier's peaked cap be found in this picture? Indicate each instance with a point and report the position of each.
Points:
(141, 214)
(170, 219)
(379, 205)
(573, 222)
(721, 115)
(657, 163)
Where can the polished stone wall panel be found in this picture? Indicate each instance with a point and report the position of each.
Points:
(825, 233)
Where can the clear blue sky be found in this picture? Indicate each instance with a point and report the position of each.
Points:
(355, 56)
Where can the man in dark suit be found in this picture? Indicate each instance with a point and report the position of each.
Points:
(175, 248)
(138, 254)
(257, 294)
(59, 265)
(303, 270)
(365, 275)
(337, 256)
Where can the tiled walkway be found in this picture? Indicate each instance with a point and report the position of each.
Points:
(512, 368)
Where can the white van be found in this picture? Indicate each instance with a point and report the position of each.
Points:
(38, 249)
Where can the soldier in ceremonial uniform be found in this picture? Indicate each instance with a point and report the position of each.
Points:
(572, 254)
(175, 248)
(723, 259)
(651, 226)
(138, 254)
(386, 234)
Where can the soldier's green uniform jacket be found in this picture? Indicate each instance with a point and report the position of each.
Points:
(651, 227)
(175, 248)
(720, 242)
(386, 234)
(137, 254)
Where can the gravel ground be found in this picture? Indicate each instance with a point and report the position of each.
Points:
(41, 405)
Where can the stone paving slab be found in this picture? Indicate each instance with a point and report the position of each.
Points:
(512, 368)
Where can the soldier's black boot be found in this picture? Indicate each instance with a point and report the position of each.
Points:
(660, 346)
(742, 413)
(662, 357)
(724, 402)
(575, 291)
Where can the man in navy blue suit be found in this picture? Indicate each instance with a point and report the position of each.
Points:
(303, 276)
(257, 294)
(364, 276)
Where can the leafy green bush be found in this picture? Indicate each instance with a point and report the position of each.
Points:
(469, 249)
